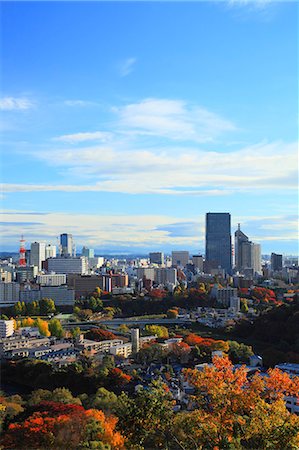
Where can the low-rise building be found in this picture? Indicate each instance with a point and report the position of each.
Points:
(6, 328)
(124, 350)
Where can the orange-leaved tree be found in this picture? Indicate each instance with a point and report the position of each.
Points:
(233, 411)
(59, 426)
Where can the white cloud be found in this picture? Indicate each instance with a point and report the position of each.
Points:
(127, 66)
(173, 170)
(83, 137)
(130, 231)
(15, 103)
(172, 119)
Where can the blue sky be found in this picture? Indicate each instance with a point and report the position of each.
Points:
(124, 123)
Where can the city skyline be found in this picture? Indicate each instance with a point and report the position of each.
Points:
(124, 132)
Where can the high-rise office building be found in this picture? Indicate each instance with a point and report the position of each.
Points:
(276, 262)
(218, 241)
(247, 254)
(67, 246)
(37, 254)
(156, 258)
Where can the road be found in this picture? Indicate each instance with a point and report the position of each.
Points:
(128, 321)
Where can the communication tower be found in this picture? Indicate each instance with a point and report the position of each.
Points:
(22, 259)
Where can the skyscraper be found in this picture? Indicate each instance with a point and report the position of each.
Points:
(218, 241)
(37, 254)
(276, 262)
(67, 246)
(247, 254)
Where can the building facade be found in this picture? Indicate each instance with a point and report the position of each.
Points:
(218, 241)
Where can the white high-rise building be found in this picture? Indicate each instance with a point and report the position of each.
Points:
(37, 254)
(50, 251)
(257, 258)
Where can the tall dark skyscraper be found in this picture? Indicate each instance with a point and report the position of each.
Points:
(218, 241)
(67, 247)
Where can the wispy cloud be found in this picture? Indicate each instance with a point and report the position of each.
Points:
(83, 137)
(127, 66)
(172, 170)
(15, 103)
(80, 103)
(135, 231)
(172, 119)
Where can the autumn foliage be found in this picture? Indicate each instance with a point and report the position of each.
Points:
(58, 426)
(99, 334)
(206, 344)
(234, 411)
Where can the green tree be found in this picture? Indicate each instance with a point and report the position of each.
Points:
(55, 328)
(33, 308)
(47, 306)
(146, 418)
(239, 352)
(20, 308)
(75, 332)
(103, 399)
(161, 332)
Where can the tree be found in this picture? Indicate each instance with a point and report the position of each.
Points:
(42, 326)
(234, 412)
(27, 322)
(172, 313)
(239, 352)
(160, 331)
(33, 308)
(123, 328)
(20, 308)
(151, 353)
(147, 417)
(47, 306)
(99, 334)
(103, 399)
(55, 328)
(75, 332)
(59, 426)
(61, 395)
(118, 378)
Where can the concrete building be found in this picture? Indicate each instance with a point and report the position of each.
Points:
(156, 258)
(83, 284)
(50, 251)
(224, 295)
(68, 265)
(276, 262)
(135, 340)
(247, 254)
(29, 293)
(88, 252)
(27, 273)
(67, 246)
(218, 241)
(52, 279)
(166, 275)
(37, 254)
(95, 262)
(197, 261)
(123, 350)
(9, 293)
(6, 328)
(180, 258)
(5, 276)
(147, 272)
(60, 294)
